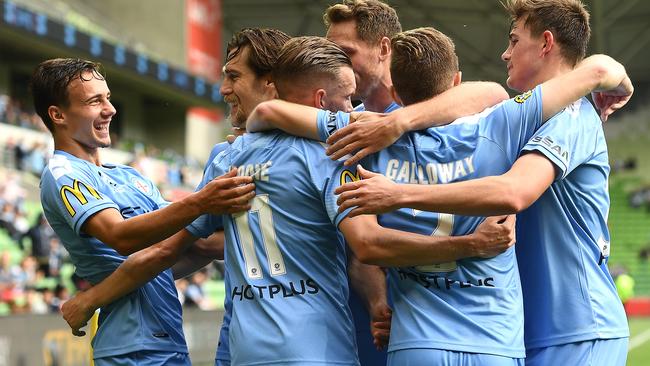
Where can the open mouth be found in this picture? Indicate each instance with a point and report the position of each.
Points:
(102, 127)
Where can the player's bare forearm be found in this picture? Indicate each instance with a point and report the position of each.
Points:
(199, 255)
(225, 194)
(598, 73)
(463, 100)
(134, 272)
(369, 282)
(295, 119)
(374, 244)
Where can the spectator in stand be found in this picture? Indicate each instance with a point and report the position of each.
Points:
(40, 234)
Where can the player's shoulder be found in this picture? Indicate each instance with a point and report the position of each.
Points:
(65, 165)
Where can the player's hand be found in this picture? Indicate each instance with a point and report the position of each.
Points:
(608, 102)
(367, 133)
(76, 312)
(226, 194)
(380, 326)
(374, 194)
(494, 236)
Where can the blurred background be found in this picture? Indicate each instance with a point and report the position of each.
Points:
(163, 62)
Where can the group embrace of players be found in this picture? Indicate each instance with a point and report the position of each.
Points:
(402, 236)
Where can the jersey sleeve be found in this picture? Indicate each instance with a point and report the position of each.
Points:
(206, 224)
(329, 122)
(74, 195)
(513, 122)
(567, 139)
(327, 175)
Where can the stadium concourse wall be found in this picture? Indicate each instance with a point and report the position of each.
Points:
(46, 340)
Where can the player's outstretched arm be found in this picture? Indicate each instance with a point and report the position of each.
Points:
(201, 253)
(295, 119)
(137, 270)
(598, 73)
(374, 244)
(505, 194)
(226, 194)
(371, 132)
(369, 282)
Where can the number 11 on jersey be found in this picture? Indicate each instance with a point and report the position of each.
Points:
(261, 206)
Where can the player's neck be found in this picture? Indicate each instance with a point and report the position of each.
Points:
(74, 148)
(379, 99)
(552, 70)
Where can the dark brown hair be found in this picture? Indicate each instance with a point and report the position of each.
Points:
(568, 20)
(50, 81)
(374, 19)
(264, 44)
(423, 64)
(305, 58)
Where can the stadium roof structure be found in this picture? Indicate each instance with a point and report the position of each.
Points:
(479, 28)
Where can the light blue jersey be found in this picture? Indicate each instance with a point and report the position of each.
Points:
(369, 355)
(472, 305)
(563, 240)
(285, 262)
(223, 353)
(72, 190)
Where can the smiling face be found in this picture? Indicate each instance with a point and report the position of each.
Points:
(85, 121)
(523, 57)
(242, 89)
(364, 56)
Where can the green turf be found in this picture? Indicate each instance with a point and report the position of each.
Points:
(640, 355)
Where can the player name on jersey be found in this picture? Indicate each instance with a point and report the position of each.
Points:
(431, 173)
(259, 171)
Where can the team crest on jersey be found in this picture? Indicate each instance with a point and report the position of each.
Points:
(141, 185)
(522, 97)
(348, 176)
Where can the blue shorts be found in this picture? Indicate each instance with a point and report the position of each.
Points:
(605, 352)
(148, 358)
(439, 357)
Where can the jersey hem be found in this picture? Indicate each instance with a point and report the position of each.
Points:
(556, 341)
(118, 351)
(505, 352)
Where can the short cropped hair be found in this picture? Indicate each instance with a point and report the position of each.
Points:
(50, 81)
(423, 64)
(303, 59)
(264, 44)
(374, 19)
(568, 20)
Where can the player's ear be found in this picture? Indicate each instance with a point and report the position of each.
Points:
(395, 96)
(320, 99)
(457, 78)
(549, 42)
(384, 48)
(269, 87)
(56, 115)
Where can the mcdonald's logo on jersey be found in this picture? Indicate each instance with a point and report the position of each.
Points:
(76, 192)
(348, 176)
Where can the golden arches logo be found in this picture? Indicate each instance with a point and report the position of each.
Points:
(347, 176)
(78, 194)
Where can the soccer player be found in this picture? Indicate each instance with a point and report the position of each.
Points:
(363, 28)
(103, 212)
(251, 54)
(559, 188)
(483, 145)
(286, 261)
